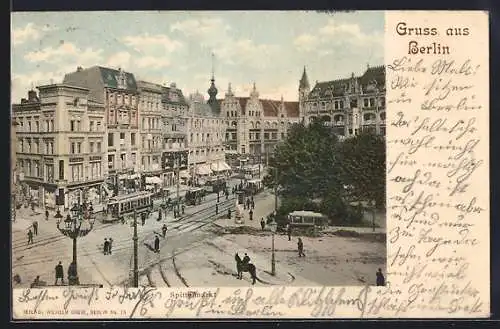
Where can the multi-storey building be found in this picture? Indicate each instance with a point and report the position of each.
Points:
(174, 130)
(150, 115)
(13, 166)
(205, 130)
(348, 105)
(254, 126)
(117, 90)
(60, 148)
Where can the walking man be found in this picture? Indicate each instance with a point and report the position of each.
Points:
(30, 237)
(164, 229)
(110, 245)
(300, 246)
(183, 208)
(106, 246)
(380, 278)
(59, 273)
(157, 244)
(253, 204)
(289, 232)
(229, 213)
(216, 208)
(159, 215)
(143, 218)
(35, 227)
(46, 215)
(251, 214)
(262, 223)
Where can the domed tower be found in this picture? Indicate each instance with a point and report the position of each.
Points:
(304, 90)
(212, 93)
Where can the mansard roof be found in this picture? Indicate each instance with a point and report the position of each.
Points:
(271, 107)
(373, 77)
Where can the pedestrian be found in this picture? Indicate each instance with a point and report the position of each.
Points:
(227, 195)
(217, 209)
(300, 247)
(380, 278)
(30, 237)
(251, 214)
(183, 209)
(159, 215)
(110, 245)
(35, 228)
(59, 273)
(253, 204)
(229, 213)
(262, 223)
(248, 203)
(143, 219)
(164, 229)
(35, 282)
(157, 244)
(46, 215)
(217, 197)
(289, 232)
(106, 246)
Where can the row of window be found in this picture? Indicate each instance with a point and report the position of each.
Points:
(205, 123)
(340, 104)
(77, 172)
(123, 139)
(202, 138)
(205, 152)
(33, 146)
(122, 163)
(27, 125)
(122, 99)
(151, 123)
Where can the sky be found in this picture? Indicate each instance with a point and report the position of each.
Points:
(268, 48)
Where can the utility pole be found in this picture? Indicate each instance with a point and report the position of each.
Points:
(136, 270)
(276, 190)
(178, 182)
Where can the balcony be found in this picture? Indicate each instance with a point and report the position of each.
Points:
(339, 123)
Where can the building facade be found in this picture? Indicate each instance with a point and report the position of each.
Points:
(254, 126)
(174, 134)
(150, 135)
(118, 91)
(60, 146)
(348, 105)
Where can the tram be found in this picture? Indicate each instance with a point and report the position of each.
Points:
(118, 207)
(194, 196)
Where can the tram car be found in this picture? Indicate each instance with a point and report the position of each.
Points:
(121, 206)
(194, 196)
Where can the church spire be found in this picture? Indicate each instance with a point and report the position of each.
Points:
(212, 91)
(254, 92)
(304, 81)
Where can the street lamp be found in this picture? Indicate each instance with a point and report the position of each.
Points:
(273, 226)
(76, 225)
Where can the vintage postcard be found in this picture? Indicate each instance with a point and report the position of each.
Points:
(250, 165)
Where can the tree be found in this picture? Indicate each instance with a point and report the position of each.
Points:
(306, 163)
(362, 167)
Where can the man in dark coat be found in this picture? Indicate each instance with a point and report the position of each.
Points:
(300, 247)
(246, 259)
(380, 278)
(157, 244)
(262, 223)
(30, 237)
(46, 215)
(35, 228)
(164, 230)
(289, 232)
(229, 213)
(143, 218)
(59, 273)
(110, 245)
(250, 213)
(217, 209)
(106, 246)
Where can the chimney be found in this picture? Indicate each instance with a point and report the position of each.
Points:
(79, 69)
(32, 96)
(24, 101)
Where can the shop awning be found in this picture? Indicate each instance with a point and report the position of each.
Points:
(153, 180)
(130, 176)
(203, 170)
(220, 166)
(184, 174)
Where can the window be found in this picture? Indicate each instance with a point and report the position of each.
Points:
(365, 102)
(282, 135)
(51, 125)
(91, 126)
(91, 147)
(99, 127)
(132, 139)
(79, 147)
(266, 135)
(72, 148)
(111, 161)
(37, 125)
(122, 136)
(72, 125)
(257, 135)
(382, 102)
(61, 169)
(99, 147)
(110, 139)
(29, 125)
